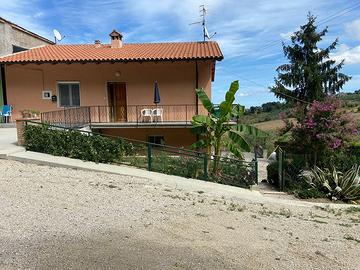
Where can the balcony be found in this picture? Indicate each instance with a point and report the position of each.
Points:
(124, 116)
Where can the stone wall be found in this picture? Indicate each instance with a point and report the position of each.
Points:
(10, 35)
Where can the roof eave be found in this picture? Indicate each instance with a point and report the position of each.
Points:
(217, 58)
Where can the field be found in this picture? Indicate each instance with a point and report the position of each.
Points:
(269, 121)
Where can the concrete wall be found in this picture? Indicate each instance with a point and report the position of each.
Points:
(176, 80)
(10, 35)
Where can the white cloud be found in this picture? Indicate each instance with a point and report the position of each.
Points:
(350, 55)
(353, 29)
(25, 14)
(286, 35)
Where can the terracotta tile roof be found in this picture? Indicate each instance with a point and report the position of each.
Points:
(129, 52)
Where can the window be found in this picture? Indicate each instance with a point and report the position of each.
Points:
(156, 139)
(18, 49)
(69, 94)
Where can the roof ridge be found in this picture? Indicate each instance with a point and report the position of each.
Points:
(136, 43)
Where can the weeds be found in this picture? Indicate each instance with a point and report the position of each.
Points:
(236, 207)
(351, 238)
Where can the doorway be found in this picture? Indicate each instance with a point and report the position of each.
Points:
(117, 101)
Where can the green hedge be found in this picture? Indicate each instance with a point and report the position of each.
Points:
(97, 148)
(74, 144)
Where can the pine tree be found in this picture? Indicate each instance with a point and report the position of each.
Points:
(311, 74)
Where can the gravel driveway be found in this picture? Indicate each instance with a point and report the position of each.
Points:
(56, 218)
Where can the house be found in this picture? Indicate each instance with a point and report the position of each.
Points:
(110, 87)
(14, 38)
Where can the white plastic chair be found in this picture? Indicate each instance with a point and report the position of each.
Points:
(158, 113)
(146, 113)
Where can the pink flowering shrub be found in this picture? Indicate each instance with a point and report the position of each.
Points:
(321, 129)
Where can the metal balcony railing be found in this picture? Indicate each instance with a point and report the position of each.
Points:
(127, 114)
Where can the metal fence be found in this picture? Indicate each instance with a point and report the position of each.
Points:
(165, 159)
(134, 114)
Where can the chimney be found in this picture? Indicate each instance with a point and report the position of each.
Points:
(116, 39)
(97, 43)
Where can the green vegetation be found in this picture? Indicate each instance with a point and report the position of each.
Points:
(74, 144)
(343, 186)
(97, 148)
(316, 134)
(218, 123)
(310, 74)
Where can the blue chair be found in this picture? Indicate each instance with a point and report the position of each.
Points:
(6, 112)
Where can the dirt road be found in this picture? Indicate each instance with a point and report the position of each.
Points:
(56, 218)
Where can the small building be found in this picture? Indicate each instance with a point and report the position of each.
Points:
(110, 87)
(14, 38)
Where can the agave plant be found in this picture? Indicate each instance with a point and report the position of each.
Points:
(343, 186)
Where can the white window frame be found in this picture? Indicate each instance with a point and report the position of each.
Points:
(58, 92)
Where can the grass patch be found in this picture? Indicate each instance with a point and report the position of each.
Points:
(236, 207)
(328, 209)
(351, 238)
(318, 221)
(352, 210)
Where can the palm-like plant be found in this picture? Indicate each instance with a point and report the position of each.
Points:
(219, 122)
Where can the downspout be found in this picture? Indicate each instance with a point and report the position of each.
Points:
(196, 97)
(196, 86)
(3, 84)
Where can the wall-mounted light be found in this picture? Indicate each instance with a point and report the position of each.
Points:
(117, 74)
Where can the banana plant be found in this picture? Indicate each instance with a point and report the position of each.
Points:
(219, 123)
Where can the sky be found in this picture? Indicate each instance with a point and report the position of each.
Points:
(250, 33)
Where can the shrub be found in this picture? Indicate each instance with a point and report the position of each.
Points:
(90, 147)
(321, 130)
(234, 173)
(309, 193)
(344, 159)
(343, 186)
(74, 144)
(185, 166)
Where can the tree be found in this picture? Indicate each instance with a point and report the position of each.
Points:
(218, 123)
(311, 74)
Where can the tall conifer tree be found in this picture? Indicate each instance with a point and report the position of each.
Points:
(310, 74)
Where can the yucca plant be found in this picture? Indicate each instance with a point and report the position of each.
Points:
(343, 186)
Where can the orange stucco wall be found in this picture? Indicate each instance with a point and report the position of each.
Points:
(179, 137)
(176, 80)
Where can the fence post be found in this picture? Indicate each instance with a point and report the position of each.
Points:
(149, 155)
(206, 174)
(281, 172)
(256, 166)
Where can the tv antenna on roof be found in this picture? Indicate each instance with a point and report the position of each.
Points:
(203, 12)
(57, 36)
